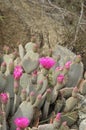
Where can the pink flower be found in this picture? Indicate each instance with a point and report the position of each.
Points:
(47, 62)
(17, 72)
(60, 78)
(4, 98)
(67, 65)
(18, 128)
(58, 116)
(22, 122)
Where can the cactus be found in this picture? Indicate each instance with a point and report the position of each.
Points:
(21, 51)
(38, 87)
(22, 112)
(29, 65)
(82, 87)
(3, 82)
(66, 92)
(70, 117)
(76, 66)
(29, 46)
(25, 80)
(72, 101)
(7, 59)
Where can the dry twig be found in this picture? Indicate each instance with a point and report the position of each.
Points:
(79, 23)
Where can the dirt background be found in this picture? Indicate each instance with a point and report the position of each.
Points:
(48, 22)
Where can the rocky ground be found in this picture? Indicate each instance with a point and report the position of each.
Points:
(48, 22)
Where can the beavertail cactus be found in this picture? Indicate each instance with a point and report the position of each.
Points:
(66, 92)
(24, 110)
(21, 51)
(76, 65)
(3, 67)
(33, 86)
(72, 101)
(29, 64)
(54, 126)
(82, 88)
(3, 82)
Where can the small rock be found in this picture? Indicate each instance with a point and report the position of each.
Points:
(83, 125)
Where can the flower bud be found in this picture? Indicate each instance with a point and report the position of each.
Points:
(77, 58)
(32, 97)
(4, 98)
(57, 121)
(60, 78)
(16, 87)
(75, 91)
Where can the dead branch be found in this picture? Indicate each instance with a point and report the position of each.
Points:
(79, 23)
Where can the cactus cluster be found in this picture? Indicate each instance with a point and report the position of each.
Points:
(40, 92)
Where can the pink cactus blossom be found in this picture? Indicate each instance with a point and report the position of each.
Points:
(17, 72)
(58, 116)
(21, 122)
(18, 128)
(4, 98)
(60, 78)
(67, 65)
(47, 62)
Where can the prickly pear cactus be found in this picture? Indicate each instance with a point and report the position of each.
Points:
(3, 82)
(42, 78)
(25, 110)
(7, 59)
(29, 46)
(82, 88)
(70, 117)
(25, 80)
(46, 127)
(29, 64)
(21, 51)
(39, 89)
(73, 77)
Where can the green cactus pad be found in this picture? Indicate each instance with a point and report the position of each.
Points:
(70, 117)
(25, 110)
(3, 82)
(21, 51)
(29, 64)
